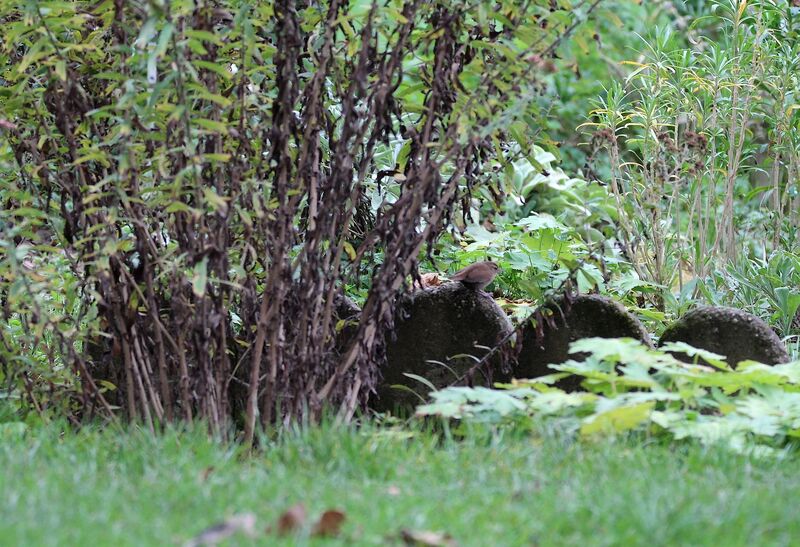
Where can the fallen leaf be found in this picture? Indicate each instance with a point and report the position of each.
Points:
(427, 280)
(427, 539)
(329, 523)
(431, 280)
(212, 535)
(292, 519)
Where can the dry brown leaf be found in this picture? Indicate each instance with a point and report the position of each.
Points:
(212, 535)
(426, 538)
(430, 280)
(427, 280)
(292, 519)
(329, 523)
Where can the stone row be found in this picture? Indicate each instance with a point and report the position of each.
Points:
(443, 331)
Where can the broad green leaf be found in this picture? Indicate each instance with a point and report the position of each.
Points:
(217, 68)
(712, 358)
(617, 420)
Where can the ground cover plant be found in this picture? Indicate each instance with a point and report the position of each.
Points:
(630, 387)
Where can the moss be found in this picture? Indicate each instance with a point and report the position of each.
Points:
(734, 333)
(436, 324)
(587, 316)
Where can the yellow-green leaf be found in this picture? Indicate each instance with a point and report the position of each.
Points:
(216, 68)
(211, 125)
(617, 419)
(351, 252)
(215, 201)
(204, 35)
(61, 70)
(216, 157)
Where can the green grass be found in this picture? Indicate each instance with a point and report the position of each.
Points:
(106, 488)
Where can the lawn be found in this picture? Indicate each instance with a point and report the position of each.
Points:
(132, 488)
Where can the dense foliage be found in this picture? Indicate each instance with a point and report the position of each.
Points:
(191, 191)
(194, 184)
(630, 387)
(210, 208)
(698, 150)
(701, 142)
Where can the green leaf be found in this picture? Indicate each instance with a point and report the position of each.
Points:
(788, 300)
(215, 201)
(61, 70)
(421, 380)
(401, 387)
(179, 206)
(222, 158)
(146, 34)
(204, 35)
(712, 358)
(163, 40)
(617, 420)
(217, 68)
(539, 221)
(211, 125)
(200, 278)
(616, 350)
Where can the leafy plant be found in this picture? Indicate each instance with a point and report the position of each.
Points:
(770, 287)
(214, 177)
(547, 225)
(700, 143)
(632, 388)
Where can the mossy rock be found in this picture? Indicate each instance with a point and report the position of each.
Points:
(587, 316)
(437, 324)
(731, 332)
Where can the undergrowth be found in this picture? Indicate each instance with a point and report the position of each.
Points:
(632, 388)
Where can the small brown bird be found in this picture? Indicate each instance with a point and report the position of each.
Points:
(477, 276)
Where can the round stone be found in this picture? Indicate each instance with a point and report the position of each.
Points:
(734, 333)
(440, 334)
(586, 316)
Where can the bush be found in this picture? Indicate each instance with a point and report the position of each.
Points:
(209, 179)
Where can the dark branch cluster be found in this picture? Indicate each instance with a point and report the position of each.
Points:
(214, 169)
